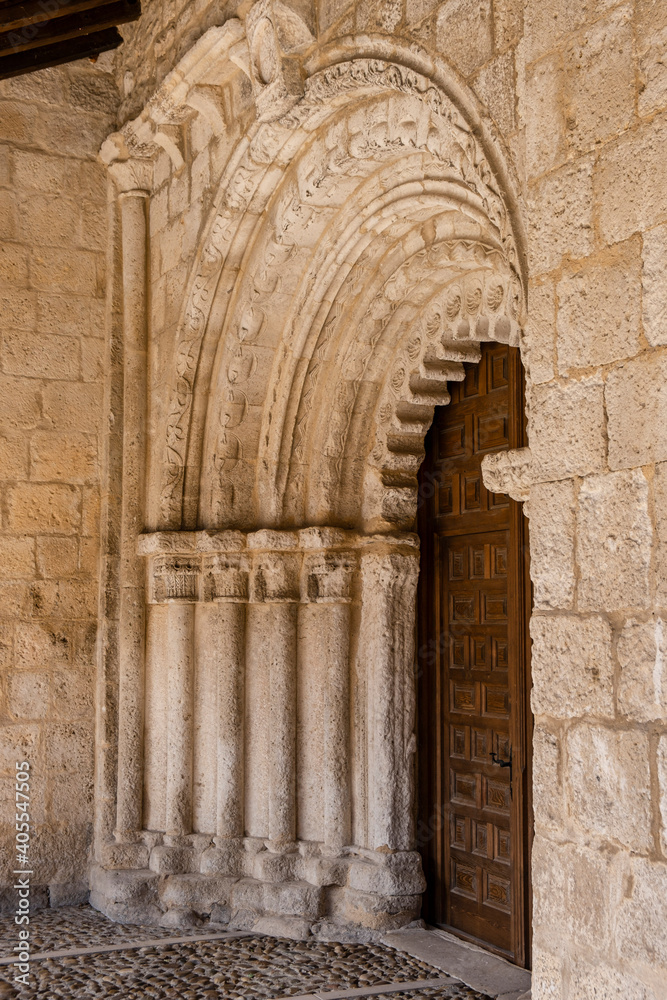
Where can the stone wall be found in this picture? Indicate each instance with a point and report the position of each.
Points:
(593, 106)
(52, 381)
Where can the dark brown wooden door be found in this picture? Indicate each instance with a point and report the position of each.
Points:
(473, 829)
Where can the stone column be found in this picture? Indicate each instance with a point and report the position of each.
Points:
(179, 656)
(221, 623)
(389, 570)
(274, 595)
(327, 593)
(174, 580)
(133, 181)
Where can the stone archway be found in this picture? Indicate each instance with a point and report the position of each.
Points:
(363, 241)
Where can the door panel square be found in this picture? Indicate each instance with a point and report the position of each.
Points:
(462, 608)
(464, 788)
(459, 742)
(494, 607)
(464, 880)
(464, 697)
(497, 892)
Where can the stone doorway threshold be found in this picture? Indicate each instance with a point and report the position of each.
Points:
(475, 967)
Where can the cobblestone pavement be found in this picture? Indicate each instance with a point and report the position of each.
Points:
(80, 927)
(252, 967)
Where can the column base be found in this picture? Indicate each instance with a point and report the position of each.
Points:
(295, 895)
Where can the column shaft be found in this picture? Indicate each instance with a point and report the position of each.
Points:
(155, 745)
(178, 648)
(280, 624)
(220, 642)
(335, 625)
(386, 648)
(131, 637)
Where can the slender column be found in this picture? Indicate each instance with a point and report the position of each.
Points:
(221, 639)
(327, 588)
(179, 656)
(134, 184)
(174, 581)
(386, 651)
(155, 729)
(275, 592)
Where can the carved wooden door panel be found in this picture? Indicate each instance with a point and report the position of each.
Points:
(473, 829)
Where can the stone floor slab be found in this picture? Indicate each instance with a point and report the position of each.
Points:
(472, 965)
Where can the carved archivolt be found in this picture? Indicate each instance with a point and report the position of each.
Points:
(360, 247)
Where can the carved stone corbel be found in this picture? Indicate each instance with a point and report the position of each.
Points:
(509, 472)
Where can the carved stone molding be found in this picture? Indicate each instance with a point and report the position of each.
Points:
(292, 288)
(312, 565)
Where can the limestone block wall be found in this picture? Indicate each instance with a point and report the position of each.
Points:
(52, 440)
(577, 92)
(593, 110)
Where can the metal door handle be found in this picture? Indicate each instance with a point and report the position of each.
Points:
(501, 763)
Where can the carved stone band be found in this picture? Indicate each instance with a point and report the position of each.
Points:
(309, 566)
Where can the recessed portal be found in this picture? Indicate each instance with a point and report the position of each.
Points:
(474, 604)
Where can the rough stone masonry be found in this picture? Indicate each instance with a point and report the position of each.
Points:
(226, 250)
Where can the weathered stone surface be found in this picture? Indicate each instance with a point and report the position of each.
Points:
(566, 429)
(572, 668)
(640, 922)
(552, 510)
(599, 309)
(546, 975)
(631, 182)
(614, 536)
(546, 139)
(642, 654)
(660, 511)
(561, 215)
(576, 890)
(654, 293)
(590, 982)
(465, 33)
(608, 782)
(548, 802)
(599, 78)
(540, 340)
(662, 782)
(636, 403)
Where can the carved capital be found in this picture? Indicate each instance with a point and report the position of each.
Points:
(225, 577)
(129, 174)
(275, 578)
(174, 578)
(328, 578)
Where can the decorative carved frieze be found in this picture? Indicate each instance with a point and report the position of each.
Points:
(311, 566)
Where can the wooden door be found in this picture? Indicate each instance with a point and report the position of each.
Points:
(474, 823)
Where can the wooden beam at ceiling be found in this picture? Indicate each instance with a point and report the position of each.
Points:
(85, 46)
(39, 33)
(63, 28)
(18, 15)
